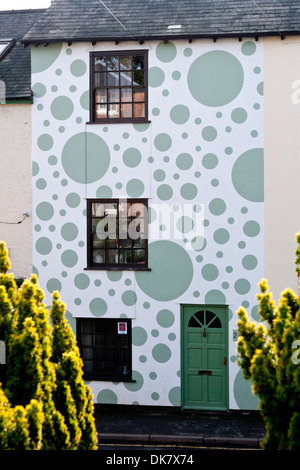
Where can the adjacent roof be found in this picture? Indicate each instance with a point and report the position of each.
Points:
(15, 70)
(97, 20)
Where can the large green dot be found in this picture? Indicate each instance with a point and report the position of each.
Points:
(248, 175)
(161, 353)
(239, 115)
(188, 191)
(42, 58)
(98, 307)
(136, 384)
(44, 210)
(43, 246)
(209, 133)
(251, 228)
(217, 206)
(215, 78)
(164, 192)
(221, 236)
(82, 281)
(215, 296)
(129, 298)
(78, 68)
(210, 161)
(73, 200)
(243, 394)
(210, 272)
(180, 114)
(162, 142)
(54, 285)
(69, 231)
(39, 90)
(184, 161)
(171, 271)
(107, 396)
(249, 262)
(62, 108)
(135, 187)
(175, 396)
(156, 76)
(166, 52)
(69, 258)
(165, 318)
(132, 157)
(248, 48)
(85, 157)
(139, 336)
(242, 286)
(45, 142)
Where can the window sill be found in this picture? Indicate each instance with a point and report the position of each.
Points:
(108, 379)
(117, 268)
(118, 121)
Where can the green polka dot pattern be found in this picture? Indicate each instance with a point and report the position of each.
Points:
(200, 164)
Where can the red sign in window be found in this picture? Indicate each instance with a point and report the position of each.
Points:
(122, 328)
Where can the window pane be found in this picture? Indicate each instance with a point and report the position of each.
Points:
(98, 243)
(126, 110)
(139, 256)
(113, 95)
(98, 256)
(101, 111)
(113, 78)
(97, 209)
(125, 256)
(87, 353)
(112, 243)
(86, 326)
(87, 340)
(126, 95)
(113, 111)
(100, 96)
(88, 366)
(126, 62)
(139, 110)
(138, 78)
(139, 94)
(100, 79)
(112, 63)
(112, 256)
(100, 64)
(138, 62)
(125, 78)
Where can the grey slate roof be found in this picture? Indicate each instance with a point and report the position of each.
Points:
(80, 20)
(15, 68)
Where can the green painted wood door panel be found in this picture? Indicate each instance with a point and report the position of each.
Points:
(204, 357)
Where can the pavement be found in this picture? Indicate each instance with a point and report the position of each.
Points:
(172, 426)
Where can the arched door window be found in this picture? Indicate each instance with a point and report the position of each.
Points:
(204, 319)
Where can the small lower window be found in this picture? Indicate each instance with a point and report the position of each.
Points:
(105, 347)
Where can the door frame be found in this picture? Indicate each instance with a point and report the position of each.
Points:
(226, 350)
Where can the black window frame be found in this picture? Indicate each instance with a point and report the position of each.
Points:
(94, 86)
(119, 246)
(108, 357)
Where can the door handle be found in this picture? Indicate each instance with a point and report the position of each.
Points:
(225, 361)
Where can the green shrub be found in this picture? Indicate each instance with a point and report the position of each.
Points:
(45, 403)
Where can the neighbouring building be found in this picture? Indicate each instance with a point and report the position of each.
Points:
(165, 159)
(15, 137)
(15, 142)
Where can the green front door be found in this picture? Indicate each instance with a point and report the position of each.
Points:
(204, 357)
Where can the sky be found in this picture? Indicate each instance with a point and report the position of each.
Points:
(23, 4)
